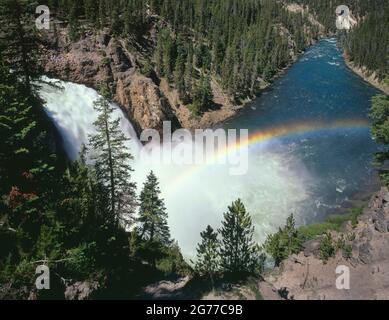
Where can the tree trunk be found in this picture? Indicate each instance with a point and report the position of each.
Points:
(111, 170)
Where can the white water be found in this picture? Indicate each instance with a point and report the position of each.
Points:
(275, 186)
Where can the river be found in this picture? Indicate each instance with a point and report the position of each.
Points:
(315, 155)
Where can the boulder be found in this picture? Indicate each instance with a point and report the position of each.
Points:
(311, 248)
(365, 255)
(379, 223)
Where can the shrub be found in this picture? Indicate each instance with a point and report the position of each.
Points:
(106, 61)
(327, 248)
(333, 222)
(285, 242)
(81, 261)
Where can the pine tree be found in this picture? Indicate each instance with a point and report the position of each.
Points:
(168, 55)
(19, 38)
(74, 25)
(153, 225)
(179, 69)
(208, 255)
(102, 14)
(91, 10)
(240, 255)
(379, 114)
(285, 242)
(16, 127)
(117, 24)
(112, 162)
(202, 95)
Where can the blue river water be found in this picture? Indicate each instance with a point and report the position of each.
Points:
(319, 88)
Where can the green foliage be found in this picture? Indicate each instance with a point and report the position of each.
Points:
(20, 41)
(379, 115)
(198, 37)
(327, 247)
(332, 222)
(202, 95)
(346, 248)
(173, 262)
(74, 24)
(152, 220)
(368, 43)
(112, 163)
(106, 61)
(241, 42)
(23, 274)
(68, 215)
(347, 251)
(81, 260)
(147, 70)
(240, 255)
(285, 242)
(208, 255)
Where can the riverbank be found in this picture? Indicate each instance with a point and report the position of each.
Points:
(367, 75)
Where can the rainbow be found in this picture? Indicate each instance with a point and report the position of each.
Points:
(269, 134)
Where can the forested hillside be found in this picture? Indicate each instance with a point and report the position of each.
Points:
(239, 44)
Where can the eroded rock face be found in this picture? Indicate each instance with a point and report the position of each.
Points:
(147, 106)
(311, 248)
(102, 60)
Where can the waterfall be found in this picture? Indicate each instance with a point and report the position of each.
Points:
(70, 106)
(275, 186)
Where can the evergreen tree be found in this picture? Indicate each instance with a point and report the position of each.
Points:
(91, 10)
(117, 24)
(179, 69)
(208, 255)
(379, 115)
(112, 162)
(240, 255)
(153, 226)
(202, 95)
(74, 25)
(285, 242)
(20, 41)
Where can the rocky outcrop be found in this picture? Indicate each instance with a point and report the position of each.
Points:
(99, 59)
(306, 276)
(149, 108)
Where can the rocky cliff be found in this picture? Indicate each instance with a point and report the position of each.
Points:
(99, 58)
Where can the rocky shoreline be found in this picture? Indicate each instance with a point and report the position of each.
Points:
(366, 75)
